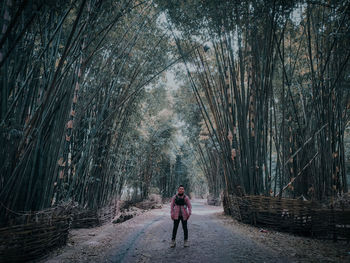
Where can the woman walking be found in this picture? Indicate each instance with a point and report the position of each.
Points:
(180, 210)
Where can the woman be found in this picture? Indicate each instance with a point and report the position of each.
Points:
(180, 209)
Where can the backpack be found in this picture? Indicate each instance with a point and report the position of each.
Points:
(180, 201)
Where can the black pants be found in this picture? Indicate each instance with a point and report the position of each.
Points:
(184, 227)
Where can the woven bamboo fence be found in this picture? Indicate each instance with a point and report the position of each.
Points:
(290, 215)
(86, 218)
(107, 213)
(31, 236)
(37, 234)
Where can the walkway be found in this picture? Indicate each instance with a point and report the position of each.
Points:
(210, 241)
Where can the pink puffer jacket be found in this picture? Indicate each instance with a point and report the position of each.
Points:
(175, 209)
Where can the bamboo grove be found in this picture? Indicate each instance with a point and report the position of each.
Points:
(73, 75)
(84, 115)
(271, 82)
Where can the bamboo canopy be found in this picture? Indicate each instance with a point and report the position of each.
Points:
(258, 117)
(272, 95)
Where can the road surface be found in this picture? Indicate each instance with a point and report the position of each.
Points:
(210, 241)
(213, 237)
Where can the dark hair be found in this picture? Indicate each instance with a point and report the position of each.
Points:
(181, 186)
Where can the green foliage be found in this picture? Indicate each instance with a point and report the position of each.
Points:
(268, 87)
(74, 80)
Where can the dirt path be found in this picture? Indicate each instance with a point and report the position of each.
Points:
(210, 241)
(146, 238)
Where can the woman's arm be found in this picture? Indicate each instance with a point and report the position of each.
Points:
(172, 212)
(189, 206)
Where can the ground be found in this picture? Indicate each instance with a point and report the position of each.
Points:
(213, 237)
